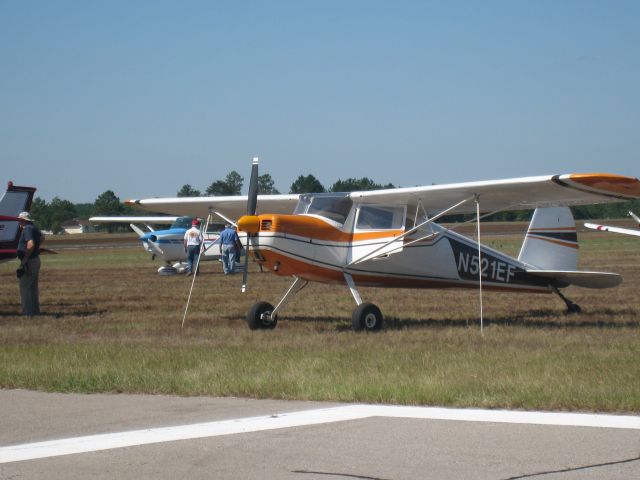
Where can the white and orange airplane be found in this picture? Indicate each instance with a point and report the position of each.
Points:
(389, 238)
(625, 231)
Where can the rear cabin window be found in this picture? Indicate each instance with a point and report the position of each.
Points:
(376, 217)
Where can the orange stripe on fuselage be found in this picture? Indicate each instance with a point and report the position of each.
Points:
(618, 184)
(316, 229)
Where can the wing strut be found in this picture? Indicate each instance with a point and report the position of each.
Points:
(479, 262)
(195, 272)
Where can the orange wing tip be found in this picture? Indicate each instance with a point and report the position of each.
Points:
(606, 182)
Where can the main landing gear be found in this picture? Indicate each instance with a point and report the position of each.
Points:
(571, 306)
(263, 315)
(366, 316)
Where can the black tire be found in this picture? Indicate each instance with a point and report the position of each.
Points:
(366, 317)
(573, 308)
(256, 320)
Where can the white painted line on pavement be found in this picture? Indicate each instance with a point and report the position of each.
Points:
(94, 443)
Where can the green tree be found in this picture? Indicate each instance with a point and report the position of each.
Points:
(265, 185)
(41, 213)
(357, 184)
(188, 191)
(231, 185)
(306, 184)
(108, 205)
(61, 211)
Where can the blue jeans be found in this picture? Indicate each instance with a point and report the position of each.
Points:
(192, 257)
(228, 258)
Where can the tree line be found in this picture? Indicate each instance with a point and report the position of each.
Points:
(51, 215)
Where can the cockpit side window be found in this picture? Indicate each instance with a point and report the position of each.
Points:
(380, 217)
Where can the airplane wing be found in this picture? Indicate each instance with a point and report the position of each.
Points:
(232, 207)
(511, 194)
(605, 228)
(160, 220)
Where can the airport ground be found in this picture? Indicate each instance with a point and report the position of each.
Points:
(112, 328)
(111, 324)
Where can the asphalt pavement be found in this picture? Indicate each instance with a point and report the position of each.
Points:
(51, 436)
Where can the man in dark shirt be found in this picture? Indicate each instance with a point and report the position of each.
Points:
(228, 246)
(29, 255)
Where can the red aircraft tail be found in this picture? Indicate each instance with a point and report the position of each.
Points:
(15, 200)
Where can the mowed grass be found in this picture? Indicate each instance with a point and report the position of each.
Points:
(112, 324)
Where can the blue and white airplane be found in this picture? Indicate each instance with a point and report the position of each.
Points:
(167, 245)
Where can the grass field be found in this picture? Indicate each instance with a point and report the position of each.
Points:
(111, 324)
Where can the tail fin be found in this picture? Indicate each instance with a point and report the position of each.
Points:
(551, 242)
(15, 200)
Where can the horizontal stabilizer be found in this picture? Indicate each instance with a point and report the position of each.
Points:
(580, 279)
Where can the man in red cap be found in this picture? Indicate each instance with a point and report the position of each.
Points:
(192, 245)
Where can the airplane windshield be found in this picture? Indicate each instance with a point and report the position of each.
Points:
(334, 206)
(182, 222)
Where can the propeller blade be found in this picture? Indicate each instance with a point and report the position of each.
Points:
(252, 200)
(252, 206)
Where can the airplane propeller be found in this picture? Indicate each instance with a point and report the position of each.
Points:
(250, 223)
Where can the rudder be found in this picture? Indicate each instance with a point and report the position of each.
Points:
(551, 242)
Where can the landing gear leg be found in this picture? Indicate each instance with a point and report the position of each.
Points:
(366, 316)
(263, 315)
(571, 307)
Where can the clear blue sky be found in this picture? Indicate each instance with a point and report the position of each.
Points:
(142, 97)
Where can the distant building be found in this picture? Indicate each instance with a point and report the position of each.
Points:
(76, 226)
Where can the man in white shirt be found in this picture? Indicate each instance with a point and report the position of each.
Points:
(192, 245)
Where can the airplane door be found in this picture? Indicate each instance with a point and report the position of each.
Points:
(375, 227)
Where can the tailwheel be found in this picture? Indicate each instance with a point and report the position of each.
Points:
(571, 306)
(259, 316)
(366, 317)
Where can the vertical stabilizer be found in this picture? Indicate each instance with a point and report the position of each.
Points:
(551, 242)
(15, 200)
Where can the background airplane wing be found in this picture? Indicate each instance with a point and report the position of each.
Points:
(160, 220)
(606, 228)
(512, 194)
(231, 207)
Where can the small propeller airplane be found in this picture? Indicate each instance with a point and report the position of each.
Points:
(626, 231)
(167, 244)
(15, 200)
(389, 238)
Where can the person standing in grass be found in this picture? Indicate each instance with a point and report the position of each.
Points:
(192, 244)
(29, 270)
(228, 245)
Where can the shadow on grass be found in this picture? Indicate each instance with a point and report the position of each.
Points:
(539, 319)
(59, 310)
